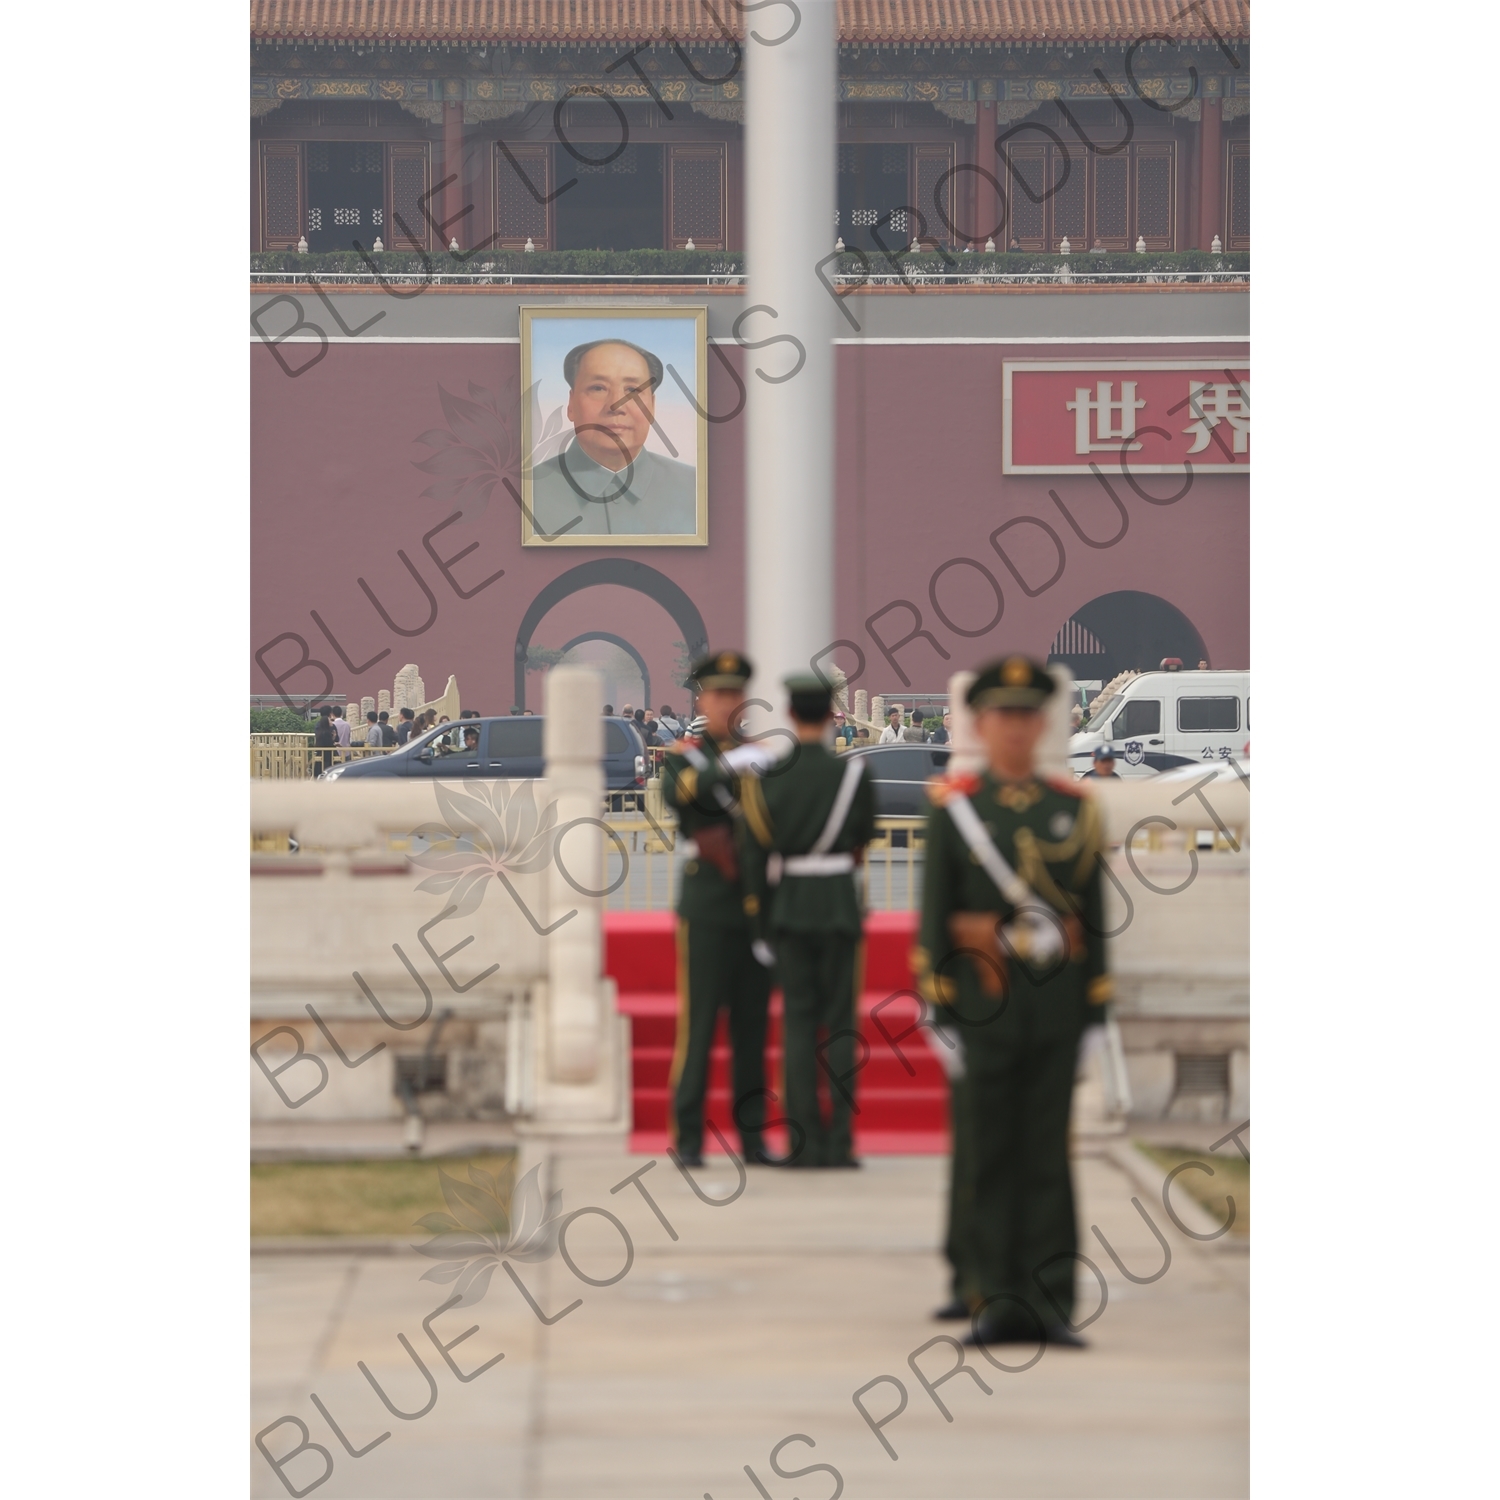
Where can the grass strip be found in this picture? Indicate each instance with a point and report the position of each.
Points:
(1230, 1179)
(374, 1198)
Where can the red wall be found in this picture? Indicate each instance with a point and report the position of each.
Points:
(336, 498)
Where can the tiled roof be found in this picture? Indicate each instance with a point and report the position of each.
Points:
(859, 20)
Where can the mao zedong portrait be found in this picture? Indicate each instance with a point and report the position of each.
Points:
(605, 479)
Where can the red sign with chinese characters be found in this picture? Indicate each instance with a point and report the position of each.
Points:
(1145, 416)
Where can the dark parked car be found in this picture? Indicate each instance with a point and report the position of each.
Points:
(899, 775)
(510, 748)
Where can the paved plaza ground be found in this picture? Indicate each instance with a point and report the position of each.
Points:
(760, 1321)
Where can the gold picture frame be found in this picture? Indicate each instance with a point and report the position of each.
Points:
(634, 471)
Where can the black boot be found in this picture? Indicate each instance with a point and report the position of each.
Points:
(1063, 1336)
(1004, 1327)
(951, 1312)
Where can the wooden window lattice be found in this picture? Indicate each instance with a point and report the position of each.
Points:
(1027, 218)
(1069, 202)
(1239, 196)
(931, 163)
(696, 196)
(407, 182)
(1153, 196)
(281, 221)
(518, 215)
(1112, 202)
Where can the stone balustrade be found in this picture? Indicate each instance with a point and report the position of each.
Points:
(348, 952)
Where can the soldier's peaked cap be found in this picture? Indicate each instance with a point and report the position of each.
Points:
(811, 697)
(722, 669)
(1012, 682)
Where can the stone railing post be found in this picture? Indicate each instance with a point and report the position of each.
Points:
(968, 751)
(574, 749)
(1052, 749)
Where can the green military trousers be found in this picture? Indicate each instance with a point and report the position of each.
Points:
(819, 983)
(715, 968)
(960, 1191)
(1013, 1232)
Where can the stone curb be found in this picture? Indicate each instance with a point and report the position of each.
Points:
(1148, 1176)
(328, 1244)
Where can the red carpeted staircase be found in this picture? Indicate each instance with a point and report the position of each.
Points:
(900, 1092)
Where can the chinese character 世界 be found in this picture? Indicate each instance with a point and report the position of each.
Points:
(1114, 421)
(1212, 404)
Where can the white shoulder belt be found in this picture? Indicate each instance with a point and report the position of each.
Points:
(1036, 931)
(817, 860)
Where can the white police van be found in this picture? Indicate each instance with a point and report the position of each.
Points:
(1161, 720)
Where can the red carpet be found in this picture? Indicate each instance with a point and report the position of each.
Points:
(900, 1092)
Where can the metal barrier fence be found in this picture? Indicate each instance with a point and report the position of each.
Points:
(292, 757)
(644, 870)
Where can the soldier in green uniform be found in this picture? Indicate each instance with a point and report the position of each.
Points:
(701, 779)
(1009, 947)
(805, 827)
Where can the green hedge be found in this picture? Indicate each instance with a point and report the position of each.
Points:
(511, 263)
(732, 262)
(931, 263)
(278, 721)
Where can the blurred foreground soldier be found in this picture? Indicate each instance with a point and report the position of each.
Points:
(1104, 762)
(805, 828)
(701, 777)
(1008, 952)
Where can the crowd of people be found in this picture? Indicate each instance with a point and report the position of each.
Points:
(334, 735)
(902, 728)
(666, 727)
(661, 728)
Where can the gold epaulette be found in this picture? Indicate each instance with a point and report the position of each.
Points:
(1068, 787)
(936, 989)
(940, 788)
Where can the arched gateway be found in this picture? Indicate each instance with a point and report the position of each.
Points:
(625, 574)
(1125, 631)
(625, 646)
